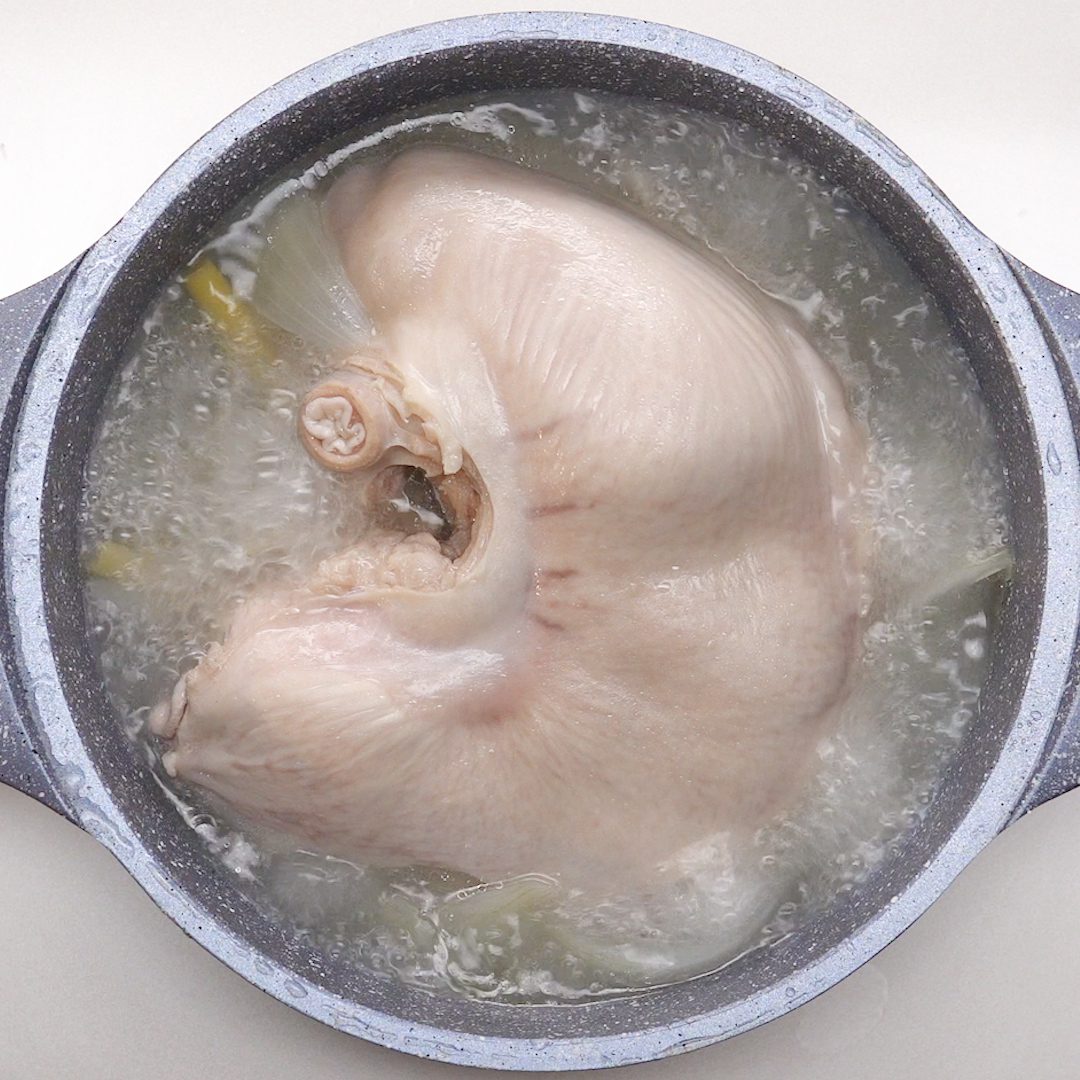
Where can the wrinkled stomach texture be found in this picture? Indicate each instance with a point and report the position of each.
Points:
(649, 613)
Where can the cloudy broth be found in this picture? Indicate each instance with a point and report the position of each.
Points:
(199, 493)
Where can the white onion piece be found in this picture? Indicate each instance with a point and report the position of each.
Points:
(300, 283)
(677, 953)
(484, 905)
(645, 962)
(965, 576)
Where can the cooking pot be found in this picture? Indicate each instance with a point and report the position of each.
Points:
(62, 340)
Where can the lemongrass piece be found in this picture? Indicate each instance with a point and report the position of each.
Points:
(233, 316)
(113, 561)
(301, 285)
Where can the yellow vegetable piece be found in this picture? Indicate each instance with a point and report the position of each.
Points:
(113, 560)
(234, 317)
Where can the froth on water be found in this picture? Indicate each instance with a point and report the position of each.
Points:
(198, 493)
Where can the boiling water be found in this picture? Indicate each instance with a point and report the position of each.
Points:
(198, 493)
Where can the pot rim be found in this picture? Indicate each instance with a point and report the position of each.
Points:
(26, 543)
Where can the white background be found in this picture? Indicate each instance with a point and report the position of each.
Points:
(97, 97)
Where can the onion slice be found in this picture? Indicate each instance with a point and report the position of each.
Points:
(964, 577)
(301, 284)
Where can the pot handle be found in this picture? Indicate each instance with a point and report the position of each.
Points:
(25, 315)
(23, 319)
(1058, 312)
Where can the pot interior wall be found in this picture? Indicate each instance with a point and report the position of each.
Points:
(169, 242)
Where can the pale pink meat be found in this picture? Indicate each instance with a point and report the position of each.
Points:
(648, 613)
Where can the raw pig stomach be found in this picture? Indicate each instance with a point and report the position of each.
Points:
(640, 609)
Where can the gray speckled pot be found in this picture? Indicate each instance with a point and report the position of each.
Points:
(60, 342)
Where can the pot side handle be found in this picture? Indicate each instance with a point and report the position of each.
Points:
(1058, 312)
(25, 315)
(23, 319)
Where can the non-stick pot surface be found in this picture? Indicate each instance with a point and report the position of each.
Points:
(64, 742)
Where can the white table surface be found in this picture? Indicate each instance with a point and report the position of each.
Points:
(97, 97)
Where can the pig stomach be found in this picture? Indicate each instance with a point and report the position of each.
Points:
(646, 615)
